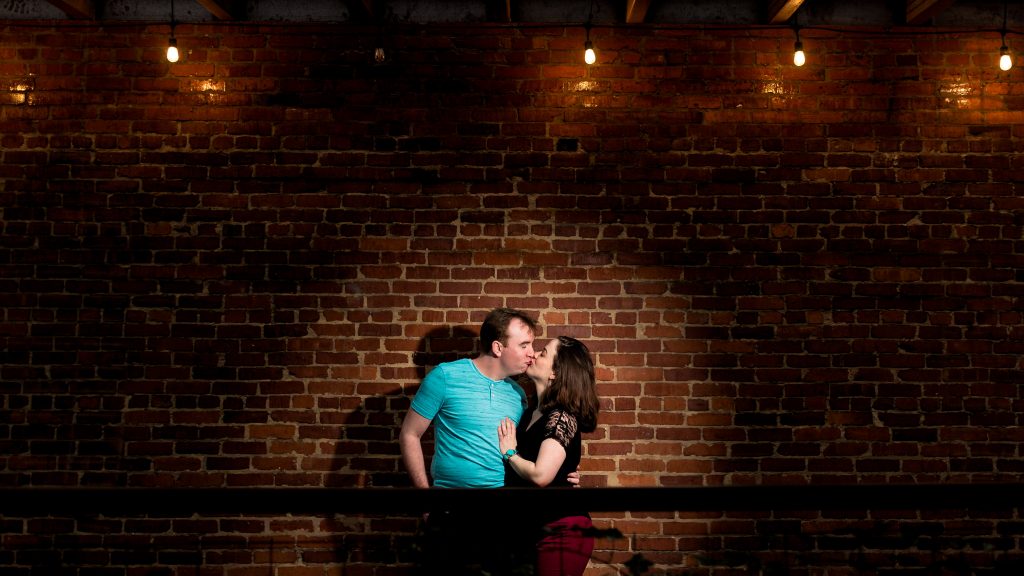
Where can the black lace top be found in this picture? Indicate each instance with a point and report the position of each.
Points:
(562, 426)
(556, 424)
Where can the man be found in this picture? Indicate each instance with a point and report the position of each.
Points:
(467, 400)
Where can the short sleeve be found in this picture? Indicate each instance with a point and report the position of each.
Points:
(431, 393)
(561, 426)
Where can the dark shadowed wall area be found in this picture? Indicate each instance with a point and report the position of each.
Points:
(233, 271)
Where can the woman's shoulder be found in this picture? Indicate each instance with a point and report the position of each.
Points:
(558, 414)
(561, 425)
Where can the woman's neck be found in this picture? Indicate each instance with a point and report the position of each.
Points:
(534, 416)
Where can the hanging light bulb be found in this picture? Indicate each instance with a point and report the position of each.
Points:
(589, 56)
(380, 56)
(172, 43)
(799, 58)
(172, 50)
(1006, 60)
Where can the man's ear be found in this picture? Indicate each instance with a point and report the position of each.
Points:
(496, 348)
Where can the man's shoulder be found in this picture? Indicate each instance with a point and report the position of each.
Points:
(453, 371)
(454, 366)
(446, 367)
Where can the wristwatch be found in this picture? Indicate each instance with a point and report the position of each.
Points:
(509, 454)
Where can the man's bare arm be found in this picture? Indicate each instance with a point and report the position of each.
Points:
(410, 440)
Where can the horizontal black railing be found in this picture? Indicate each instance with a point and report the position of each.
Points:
(31, 501)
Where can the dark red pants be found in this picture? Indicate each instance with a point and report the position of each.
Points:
(566, 550)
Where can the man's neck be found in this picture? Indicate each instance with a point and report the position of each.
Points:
(490, 367)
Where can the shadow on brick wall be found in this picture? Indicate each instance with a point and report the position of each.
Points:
(368, 454)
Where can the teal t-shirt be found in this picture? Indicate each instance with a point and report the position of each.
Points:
(466, 408)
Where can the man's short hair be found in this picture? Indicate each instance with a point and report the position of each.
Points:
(495, 326)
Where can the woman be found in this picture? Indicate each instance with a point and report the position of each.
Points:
(549, 448)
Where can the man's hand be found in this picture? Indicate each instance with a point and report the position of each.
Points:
(574, 478)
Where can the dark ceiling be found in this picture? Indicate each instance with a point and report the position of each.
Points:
(935, 13)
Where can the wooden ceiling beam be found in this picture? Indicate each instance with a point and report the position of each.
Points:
(780, 11)
(82, 9)
(921, 11)
(221, 9)
(636, 11)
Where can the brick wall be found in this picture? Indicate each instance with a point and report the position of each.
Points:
(233, 271)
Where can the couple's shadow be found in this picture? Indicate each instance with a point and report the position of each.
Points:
(443, 344)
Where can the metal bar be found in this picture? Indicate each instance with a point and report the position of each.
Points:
(178, 501)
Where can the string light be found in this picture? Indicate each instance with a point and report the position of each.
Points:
(589, 56)
(1005, 60)
(172, 49)
(172, 43)
(379, 55)
(799, 58)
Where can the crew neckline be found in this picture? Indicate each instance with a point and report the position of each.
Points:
(488, 378)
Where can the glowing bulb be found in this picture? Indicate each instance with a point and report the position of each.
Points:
(1005, 60)
(172, 50)
(799, 58)
(589, 56)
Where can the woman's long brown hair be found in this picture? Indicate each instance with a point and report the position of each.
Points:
(574, 388)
